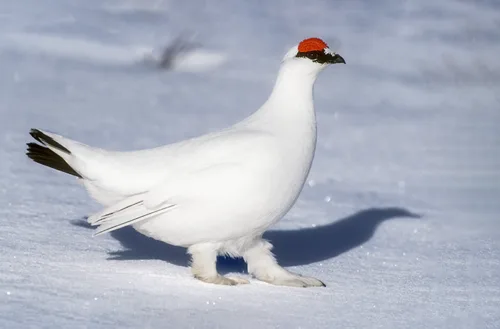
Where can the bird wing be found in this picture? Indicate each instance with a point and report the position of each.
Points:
(124, 213)
(163, 197)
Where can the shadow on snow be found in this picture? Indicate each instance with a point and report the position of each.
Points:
(291, 247)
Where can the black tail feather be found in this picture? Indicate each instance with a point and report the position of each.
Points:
(44, 139)
(46, 156)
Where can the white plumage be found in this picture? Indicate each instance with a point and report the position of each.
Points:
(216, 193)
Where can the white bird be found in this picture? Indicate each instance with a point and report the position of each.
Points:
(217, 193)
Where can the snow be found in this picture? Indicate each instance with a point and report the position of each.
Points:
(400, 217)
(98, 53)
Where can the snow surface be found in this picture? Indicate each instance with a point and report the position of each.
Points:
(400, 216)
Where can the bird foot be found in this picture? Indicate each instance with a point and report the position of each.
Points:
(293, 280)
(223, 280)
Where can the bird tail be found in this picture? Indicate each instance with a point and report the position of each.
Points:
(52, 154)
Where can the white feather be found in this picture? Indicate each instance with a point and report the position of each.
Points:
(225, 185)
(218, 192)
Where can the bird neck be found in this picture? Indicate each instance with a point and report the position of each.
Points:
(293, 90)
(291, 101)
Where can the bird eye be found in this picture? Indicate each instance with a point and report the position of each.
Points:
(312, 55)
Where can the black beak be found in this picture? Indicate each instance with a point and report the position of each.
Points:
(335, 59)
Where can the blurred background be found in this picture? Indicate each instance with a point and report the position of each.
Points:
(410, 127)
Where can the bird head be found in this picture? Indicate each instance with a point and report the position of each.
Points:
(315, 51)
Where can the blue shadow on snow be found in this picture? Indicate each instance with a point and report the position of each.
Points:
(291, 247)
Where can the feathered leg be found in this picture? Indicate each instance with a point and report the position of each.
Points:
(262, 265)
(204, 265)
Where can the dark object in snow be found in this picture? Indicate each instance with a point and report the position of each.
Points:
(178, 46)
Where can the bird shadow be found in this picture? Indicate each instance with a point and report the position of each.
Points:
(291, 247)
